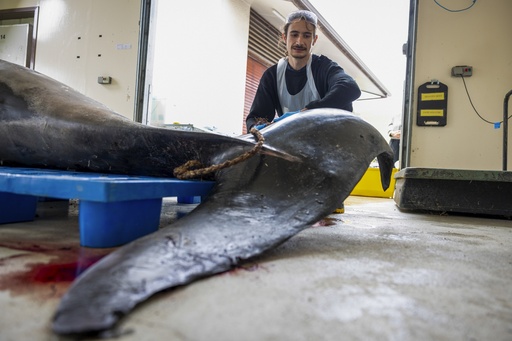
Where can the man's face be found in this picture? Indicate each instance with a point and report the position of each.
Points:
(300, 39)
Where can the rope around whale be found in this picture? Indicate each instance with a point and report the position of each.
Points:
(185, 171)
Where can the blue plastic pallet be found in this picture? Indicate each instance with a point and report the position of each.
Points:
(113, 209)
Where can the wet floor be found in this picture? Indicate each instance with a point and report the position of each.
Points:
(372, 273)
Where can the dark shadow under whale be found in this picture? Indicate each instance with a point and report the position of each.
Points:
(310, 164)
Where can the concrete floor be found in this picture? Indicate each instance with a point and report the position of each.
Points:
(372, 273)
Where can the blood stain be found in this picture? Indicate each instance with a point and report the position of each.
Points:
(41, 278)
(66, 272)
(326, 222)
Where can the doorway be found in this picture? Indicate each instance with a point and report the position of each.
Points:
(23, 16)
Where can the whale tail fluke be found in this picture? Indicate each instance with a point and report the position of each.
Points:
(385, 160)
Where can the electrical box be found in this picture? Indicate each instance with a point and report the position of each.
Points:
(104, 80)
(462, 71)
(432, 104)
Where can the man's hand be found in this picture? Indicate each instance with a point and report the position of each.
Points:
(288, 114)
(395, 134)
(260, 123)
(277, 119)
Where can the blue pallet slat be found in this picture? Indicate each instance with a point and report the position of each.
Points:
(96, 187)
(189, 200)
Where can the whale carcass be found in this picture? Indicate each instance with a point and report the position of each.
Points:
(309, 164)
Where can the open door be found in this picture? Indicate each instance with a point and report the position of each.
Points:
(18, 35)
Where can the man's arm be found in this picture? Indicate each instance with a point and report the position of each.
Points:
(336, 88)
(266, 101)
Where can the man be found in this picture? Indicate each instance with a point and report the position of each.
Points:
(302, 80)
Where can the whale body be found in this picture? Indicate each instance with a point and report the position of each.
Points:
(309, 165)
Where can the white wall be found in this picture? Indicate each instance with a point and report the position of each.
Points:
(200, 63)
(479, 37)
(71, 29)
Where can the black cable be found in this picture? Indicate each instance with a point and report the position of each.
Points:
(470, 101)
(456, 10)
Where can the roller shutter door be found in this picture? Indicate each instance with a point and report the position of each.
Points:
(265, 49)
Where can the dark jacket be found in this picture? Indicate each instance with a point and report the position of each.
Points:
(336, 89)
